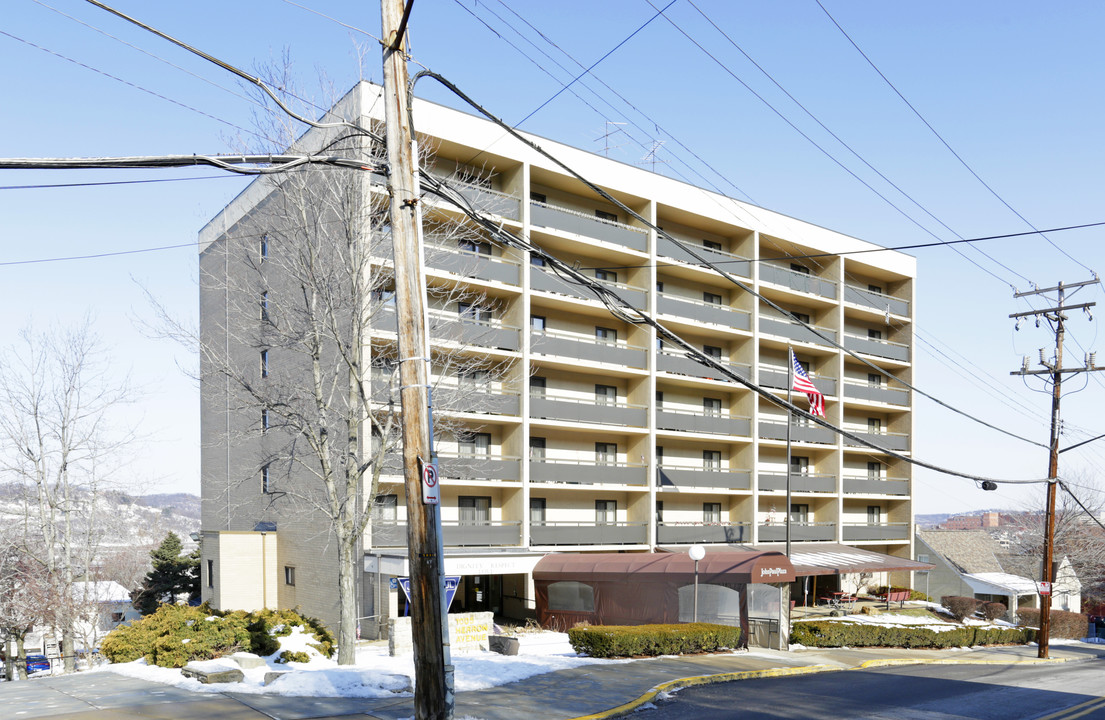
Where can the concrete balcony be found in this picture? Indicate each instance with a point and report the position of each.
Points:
(684, 421)
(688, 478)
(588, 349)
(878, 348)
(791, 330)
(577, 223)
(587, 411)
(876, 393)
(582, 533)
(799, 532)
(855, 532)
(680, 364)
(544, 280)
(479, 467)
(774, 376)
(455, 328)
(867, 486)
(704, 312)
(775, 430)
(479, 400)
(574, 472)
(887, 441)
(799, 482)
(692, 532)
(472, 264)
(875, 300)
(730, 263)
(454, 534)
(487, 200)
(797, 281)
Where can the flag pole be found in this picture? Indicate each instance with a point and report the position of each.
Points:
(790, 421)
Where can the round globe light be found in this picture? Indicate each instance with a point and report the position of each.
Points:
(697, 552)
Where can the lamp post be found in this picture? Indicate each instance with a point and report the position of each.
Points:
(697, 552)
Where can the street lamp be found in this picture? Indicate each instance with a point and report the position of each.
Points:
(697, 552)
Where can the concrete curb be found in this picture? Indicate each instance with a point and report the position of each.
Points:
(673, 685)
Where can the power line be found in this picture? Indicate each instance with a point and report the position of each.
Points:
(117, 253)
(45, 186)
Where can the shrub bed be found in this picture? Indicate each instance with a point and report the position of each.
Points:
(177, 634)
(823, 633)
(608, 641)
(1064, 624)
(960, 607)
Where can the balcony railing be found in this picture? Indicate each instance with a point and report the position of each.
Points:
(799, 482)
(787, 328)
(476, 399)
(589, 349)
(582, 533)
(456, 328)
(885, 440)
(876, 300)
(875, 531)
(876, 393)
(688, 533)
(705, 312)
(699, 422)
(774, 376)
(869, 486)
(587, 411)
(577, 472)
(730, 263)
(799, 532)
(460, 466)
(676, 477)
(680, 364)
(777, 430)
(876, 347)
(572, 221)
(798, 281)
(499, 533)
(550, 282)
(488, 201)
(473, 264)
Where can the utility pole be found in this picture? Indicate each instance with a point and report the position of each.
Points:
(433, 692)
(1056, 318)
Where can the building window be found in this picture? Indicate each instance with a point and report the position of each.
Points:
(609, 216)
(659, 455)
(659, 511)
(874, 380)
(479, 247)
(387, 508)
(874, 470)
(606, 395)
(474, 381)
(289, 575)
(264, 419)
(800, 513)
(116, 618)
(659, 286)
(210, 573)
(474, 510)
(476, 445)
(607, 275)
(799, 465)
(711, 407)
(382, 297)
(606, 453)
(266, 480)
(606, 335)
(537, 323)
(537, 385)
(606, 512)
(874, 514)
(538, 197)
(537, 511)
(659, 399)
(874, 426)
(264, 363)
(795, 267)
(265, 306)
(713, 351)
(536, 260)
(471, 313)
(711, 245)
(922, 557)
(801, 317)
(537, 449)
(875, 289)
(711, 512)
(873, 334)
(263, 248)
(711, 298)
(711, 460)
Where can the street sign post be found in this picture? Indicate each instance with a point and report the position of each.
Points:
(1044, 587)
(431, 494)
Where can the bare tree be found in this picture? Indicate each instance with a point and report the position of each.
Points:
(59, 448)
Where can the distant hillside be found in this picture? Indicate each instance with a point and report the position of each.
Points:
(930, 520)
(177, 503)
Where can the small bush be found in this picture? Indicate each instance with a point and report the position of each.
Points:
(960, 607)
(918, 595)
(992, 610)
(607, 641)
(825, 633)
(1064, 624)
(293, 656)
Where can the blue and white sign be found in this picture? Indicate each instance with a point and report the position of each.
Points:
(452, 582)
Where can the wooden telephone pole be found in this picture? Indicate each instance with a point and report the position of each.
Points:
(1056, 317)
(433, 688)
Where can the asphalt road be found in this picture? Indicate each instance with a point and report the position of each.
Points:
(920, 692)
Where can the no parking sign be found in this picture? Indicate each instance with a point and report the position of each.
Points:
(430, 491)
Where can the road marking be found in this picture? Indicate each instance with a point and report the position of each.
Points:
(1077, 711)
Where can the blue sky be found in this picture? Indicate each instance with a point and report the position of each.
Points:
(1013, 87)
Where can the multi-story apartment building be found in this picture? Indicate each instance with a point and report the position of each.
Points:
(583, 432)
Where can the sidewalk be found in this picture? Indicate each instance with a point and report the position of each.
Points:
(593, 691)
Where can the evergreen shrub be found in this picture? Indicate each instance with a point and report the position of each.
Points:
(1064, 624)
(824, 633)
(608, 641)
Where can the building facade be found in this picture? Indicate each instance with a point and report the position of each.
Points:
(580, 432)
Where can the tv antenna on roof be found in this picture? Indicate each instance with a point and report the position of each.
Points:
(612, 128)
(650, 157)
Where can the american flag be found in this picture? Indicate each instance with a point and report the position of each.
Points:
(802, 383)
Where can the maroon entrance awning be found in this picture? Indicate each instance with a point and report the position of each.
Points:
(735, 567)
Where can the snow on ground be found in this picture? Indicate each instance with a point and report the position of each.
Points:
(375, 675)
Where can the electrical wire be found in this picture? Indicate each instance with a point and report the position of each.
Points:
(278, 163)
(45, 186)
(97, 256)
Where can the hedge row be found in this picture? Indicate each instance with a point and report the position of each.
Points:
(177, 634)
(823, 633)
(608, 641)
(1063, 624)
